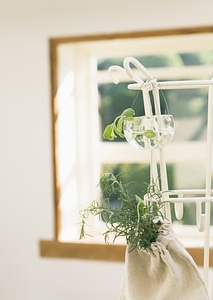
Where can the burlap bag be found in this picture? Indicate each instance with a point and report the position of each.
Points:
(165, 272)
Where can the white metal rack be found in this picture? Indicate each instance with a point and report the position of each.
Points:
(181, 196)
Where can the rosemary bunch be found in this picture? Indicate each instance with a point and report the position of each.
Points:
(137, 219)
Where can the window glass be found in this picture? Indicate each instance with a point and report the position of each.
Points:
(88, 106)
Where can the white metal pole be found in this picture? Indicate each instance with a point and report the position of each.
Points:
(183, 84)
(208, 182)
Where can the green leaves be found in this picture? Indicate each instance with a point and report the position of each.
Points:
(134, 218)
(149, 133)
(116, 128)
(109, 132)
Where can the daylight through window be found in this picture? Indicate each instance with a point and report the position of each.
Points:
(88, 100)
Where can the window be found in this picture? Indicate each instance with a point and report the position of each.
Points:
(83, 102)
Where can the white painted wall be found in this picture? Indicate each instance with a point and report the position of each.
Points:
(25, 154)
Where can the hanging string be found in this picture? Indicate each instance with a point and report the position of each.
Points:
(165, 101)
(136, 97)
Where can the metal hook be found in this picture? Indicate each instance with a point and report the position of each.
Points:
(200, 218)
(114, 69)
(150, 84)
(139, 66)
(178, 210)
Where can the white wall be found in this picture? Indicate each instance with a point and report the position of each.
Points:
(25, 154)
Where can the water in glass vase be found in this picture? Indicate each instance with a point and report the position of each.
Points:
(149, 132)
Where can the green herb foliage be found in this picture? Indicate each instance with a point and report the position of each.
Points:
(136, 219)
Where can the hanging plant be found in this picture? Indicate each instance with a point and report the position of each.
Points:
(144, 132)
(116, 127)
(136, 218)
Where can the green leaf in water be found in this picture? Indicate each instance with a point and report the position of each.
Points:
(150, 134)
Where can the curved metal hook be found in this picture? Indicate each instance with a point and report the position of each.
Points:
(200, 218)
(150, 84)
(178, 210)
(114, 69)
(139, 66)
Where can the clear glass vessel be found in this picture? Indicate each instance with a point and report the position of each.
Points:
(149, 132)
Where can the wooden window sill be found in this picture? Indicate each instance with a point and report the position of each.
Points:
(92, 251)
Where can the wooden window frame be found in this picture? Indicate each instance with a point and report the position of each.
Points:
(94, 251)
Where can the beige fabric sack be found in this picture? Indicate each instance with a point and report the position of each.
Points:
(165, 272)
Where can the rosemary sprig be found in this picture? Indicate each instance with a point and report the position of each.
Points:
(135, 218)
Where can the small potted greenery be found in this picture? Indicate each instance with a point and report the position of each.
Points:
(136, 217)
(143, 132)
(156, 266)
